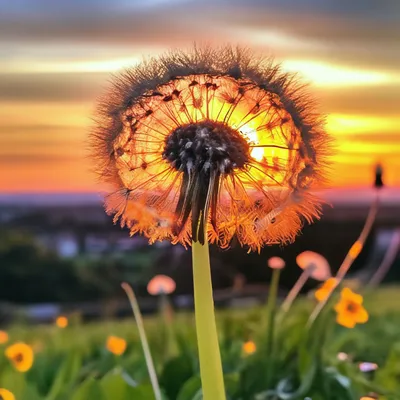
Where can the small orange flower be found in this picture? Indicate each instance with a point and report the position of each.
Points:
(3, 337)
(116, 345)
(6, 395)
(21, 356)
(323, 292)
(62, 322)
(370, 396)
(249, 347)
(350, 310)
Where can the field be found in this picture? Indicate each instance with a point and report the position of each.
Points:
(324, 362)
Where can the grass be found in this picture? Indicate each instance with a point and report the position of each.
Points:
(74, 364)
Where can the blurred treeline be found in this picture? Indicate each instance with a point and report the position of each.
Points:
(31, 273)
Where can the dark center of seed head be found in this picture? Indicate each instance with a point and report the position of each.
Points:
(206, 147)
(203, 152)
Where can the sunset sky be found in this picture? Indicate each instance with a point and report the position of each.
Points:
(56, 58)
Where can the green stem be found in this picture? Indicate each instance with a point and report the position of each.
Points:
(142, 334)
(271, 310)
(166, 311)
(212, 379)
(352, 254)
(294, 292)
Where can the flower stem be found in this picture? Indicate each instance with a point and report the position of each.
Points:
(142, 334)
(212, 379)
(271, 310)
(352, 254)
(294, 292)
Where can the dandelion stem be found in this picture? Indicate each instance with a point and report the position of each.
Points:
(291, 297)
(142, 334)
(271, 309)
(209, 354)
(387, 261)
(352, 254)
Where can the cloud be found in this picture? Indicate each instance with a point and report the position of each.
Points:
(381, 100)
(51, 87)
(361, 33)
(87, 87)
(28, 159)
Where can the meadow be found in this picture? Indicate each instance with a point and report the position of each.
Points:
(104, 360)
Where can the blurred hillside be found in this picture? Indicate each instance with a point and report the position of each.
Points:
(57, 244)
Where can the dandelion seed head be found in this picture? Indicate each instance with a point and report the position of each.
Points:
(161, 284)
(317, 265)
(210, 144)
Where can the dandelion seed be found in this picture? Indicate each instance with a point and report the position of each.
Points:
(209, 145)
(21, 356)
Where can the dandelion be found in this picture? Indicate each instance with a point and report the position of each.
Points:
(62, 322)
(3, 337)
(350, 310)
(21, 356)
(325, 290)
(116, 345)
(249, 347)
(6, 395)
(276, 263)
(314, 265)
(161, 284)
(206, 146)
(210, 145)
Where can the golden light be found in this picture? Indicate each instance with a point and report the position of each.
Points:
(348, 123)
(70, 66)
(325, 74)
